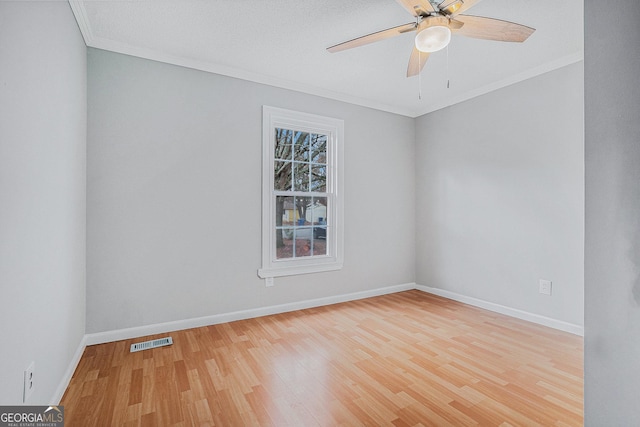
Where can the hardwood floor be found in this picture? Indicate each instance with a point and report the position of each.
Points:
(405, 359)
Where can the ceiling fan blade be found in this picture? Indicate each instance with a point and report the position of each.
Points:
(492, 29)
(417, 7)
(416, 62)
(374, 37)
(454, 7)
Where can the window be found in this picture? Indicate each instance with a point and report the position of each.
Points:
(301, 193)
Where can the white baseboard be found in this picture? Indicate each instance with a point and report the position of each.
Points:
(513, 312)
(66, 379)
(160, 328)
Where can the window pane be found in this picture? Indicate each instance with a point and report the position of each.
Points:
(285, 250)
(318, 148)
(302, 205)
(317, 214)
(318, 179)
(301, 176)
(301, 146)
(285, 211)
(282, 176)
(303, 242)
(319, 247)
(285, 218)
(317, 211)
(283, 144)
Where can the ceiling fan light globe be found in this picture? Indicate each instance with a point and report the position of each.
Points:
(433, 39)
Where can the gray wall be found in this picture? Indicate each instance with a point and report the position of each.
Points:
(612, 249)
(42, 195)
(500, 196)
(174, 195)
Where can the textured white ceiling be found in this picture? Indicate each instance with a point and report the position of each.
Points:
(283, 43)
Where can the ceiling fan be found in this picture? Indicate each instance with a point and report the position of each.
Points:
(434, 24)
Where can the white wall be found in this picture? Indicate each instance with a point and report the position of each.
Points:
(499, 182)
(174, 193)
(612, 249)
(42, 195)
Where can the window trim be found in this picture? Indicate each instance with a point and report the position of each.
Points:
(273, 117)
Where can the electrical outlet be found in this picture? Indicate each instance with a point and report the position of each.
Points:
(29, 382)
(545, 286)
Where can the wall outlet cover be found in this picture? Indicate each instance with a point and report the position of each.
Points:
(29, 382)
(545, 287)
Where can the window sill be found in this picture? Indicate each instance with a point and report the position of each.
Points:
(264, 273)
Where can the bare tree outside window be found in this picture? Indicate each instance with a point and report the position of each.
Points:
(300, 185)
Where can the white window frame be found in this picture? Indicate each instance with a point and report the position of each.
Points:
(273, 118)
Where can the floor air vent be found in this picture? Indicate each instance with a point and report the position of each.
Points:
(151, 344)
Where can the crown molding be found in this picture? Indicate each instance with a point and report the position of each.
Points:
(528, 74)
(80, 13)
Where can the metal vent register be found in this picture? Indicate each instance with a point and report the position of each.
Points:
(151, 344)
